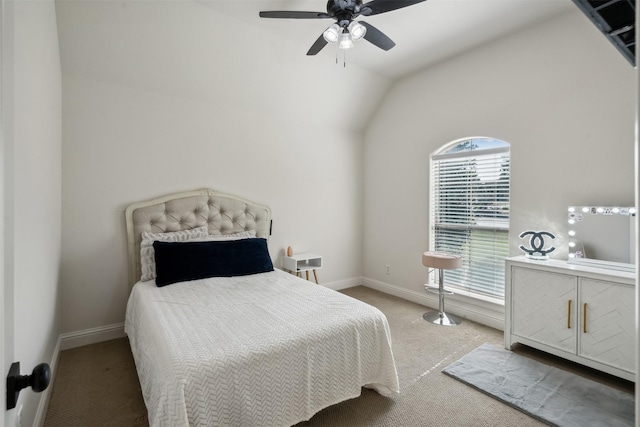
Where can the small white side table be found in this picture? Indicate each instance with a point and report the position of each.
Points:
(298, 263)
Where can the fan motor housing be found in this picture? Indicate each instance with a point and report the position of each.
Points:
(341, 8)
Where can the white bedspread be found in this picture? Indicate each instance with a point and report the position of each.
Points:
(263, 350)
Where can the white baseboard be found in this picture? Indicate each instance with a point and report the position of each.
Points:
(66, 342)
(482, 312)
(41, 412)
(92, 336)
(343, 284)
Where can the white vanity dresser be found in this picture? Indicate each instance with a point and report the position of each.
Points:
(582, 313)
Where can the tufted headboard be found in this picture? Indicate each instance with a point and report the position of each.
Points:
(222, 213)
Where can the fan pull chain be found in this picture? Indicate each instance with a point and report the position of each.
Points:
(344, 57)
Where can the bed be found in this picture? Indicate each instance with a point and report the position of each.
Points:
(236, 344)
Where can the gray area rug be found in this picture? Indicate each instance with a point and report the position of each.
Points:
(552, 395)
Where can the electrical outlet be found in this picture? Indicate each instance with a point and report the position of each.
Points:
(19, 417)
(387, 269)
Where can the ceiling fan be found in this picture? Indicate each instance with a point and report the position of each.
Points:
(346, 28)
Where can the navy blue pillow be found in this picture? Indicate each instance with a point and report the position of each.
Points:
(183, 261)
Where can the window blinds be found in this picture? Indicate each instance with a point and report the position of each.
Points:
(470, 216)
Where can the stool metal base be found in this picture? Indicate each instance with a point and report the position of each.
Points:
(440, 318)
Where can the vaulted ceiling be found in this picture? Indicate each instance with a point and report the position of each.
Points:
(221, 52)
(425, 33)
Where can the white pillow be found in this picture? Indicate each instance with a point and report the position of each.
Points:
(220, 237)
(147, 254)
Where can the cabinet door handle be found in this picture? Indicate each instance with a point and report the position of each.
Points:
(569, 315)
(584, 318)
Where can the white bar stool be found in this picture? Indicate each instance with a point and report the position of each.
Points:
(442, 261)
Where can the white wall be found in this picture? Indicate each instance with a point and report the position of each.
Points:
(155, 101)
(34, 194)
(6, 146)
(637, 203)
(559, 93)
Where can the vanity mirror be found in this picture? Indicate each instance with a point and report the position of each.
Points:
(602, 236)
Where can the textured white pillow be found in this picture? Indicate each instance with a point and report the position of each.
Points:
(220, 237)
(147, 254)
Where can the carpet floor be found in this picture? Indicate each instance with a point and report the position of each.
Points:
(97, 385)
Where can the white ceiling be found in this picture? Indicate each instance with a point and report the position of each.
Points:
(425, 33)
(221, 50)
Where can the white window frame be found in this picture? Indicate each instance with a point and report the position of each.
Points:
(487, 160)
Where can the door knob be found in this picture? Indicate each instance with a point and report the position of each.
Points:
(38, 381)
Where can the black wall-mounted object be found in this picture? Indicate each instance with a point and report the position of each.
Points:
(38, 381)
(616, 20)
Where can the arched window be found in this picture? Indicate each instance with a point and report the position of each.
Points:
(470, 212)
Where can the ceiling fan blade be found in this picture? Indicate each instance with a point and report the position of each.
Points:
(377, 37)
(375, 7)
(294, 14)
(317, 46)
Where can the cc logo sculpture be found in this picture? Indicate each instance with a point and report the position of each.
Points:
(536, 243)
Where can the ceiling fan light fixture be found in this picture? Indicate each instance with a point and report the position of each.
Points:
(357, 30)
(346, 42)
(332, 34)
(345, 12)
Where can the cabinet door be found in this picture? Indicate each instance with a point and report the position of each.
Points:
(610, 323)
(544, 307)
